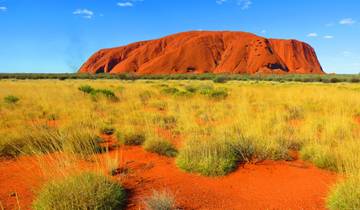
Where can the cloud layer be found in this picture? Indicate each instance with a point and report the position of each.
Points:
(85, 13)
(3, 9)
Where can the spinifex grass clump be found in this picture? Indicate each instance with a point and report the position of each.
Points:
(82, 143)
(130, 137)
(214, 93)
(81, 191)
(321, 156)
(10, 99)
(170, 90)
(107, 129)
(160, 200)
(109, 94)
(209, 157)
(160, 146)
(86, 89)
(345, 195)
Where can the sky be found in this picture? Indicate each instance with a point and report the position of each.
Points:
(52, 36)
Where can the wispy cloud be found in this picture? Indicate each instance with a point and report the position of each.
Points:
(346, 53)
(220, 1)
(125, 4)
(312, 35)
(244, 4)
(347, 21)
(85, 13)
(328, 37)
(128, 3)
(3, 9)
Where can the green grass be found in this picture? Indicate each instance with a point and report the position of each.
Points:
(130, 138)
(345, 195)
(211, 157)
(321, 156)
(160, 146)
(82, 191)
(160, 200)
(327, 78)
(10, 99)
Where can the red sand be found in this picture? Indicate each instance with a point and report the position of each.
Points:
(268, 185)
(207, 52)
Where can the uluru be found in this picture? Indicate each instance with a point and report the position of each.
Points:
(207, 52)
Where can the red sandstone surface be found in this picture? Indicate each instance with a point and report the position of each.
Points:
(207, 52)
(267, 185)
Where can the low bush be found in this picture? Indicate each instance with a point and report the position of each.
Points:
(82, 191)
(107, 129)
(160, 201)
(160, 146)
(10, 99)
(83, 143)
(86, 89)
(107, 93)
(345, 195)
(320, 155)
(210, 157)
(218, 93)
(191, 89)
(220, 79)
(145, 97)
(170, 91)
(131, 138)
(11, 146)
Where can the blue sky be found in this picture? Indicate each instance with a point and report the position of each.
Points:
(59, 35)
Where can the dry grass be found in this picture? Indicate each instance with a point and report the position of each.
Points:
(253, 120)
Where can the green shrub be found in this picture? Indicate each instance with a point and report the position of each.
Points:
(107, 129)
(210, 92)
(218, 94)
(86, 89)
(131, 138)
(220, 79)
(10, 99)
(320, 155)
(78, 192)
(345, 195)
(11, 146)
(170, 90)
(191, 89)
(145, 97)
(207, 157)
(160, 146)
(160, 201)
(107, 93)
(83, 143)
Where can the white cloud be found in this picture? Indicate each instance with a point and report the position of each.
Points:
(346, 53)
(3, 9)
(220, 1)
(347, 21)
(312, 35)
(125, 4)
(328, 37)
(85, 13)
(245, 4)
(263, 31)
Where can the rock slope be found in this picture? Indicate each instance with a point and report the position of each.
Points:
(207, 52)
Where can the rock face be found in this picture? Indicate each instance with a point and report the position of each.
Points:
(207, 52)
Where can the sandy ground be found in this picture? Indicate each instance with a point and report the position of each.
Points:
(266, 185)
